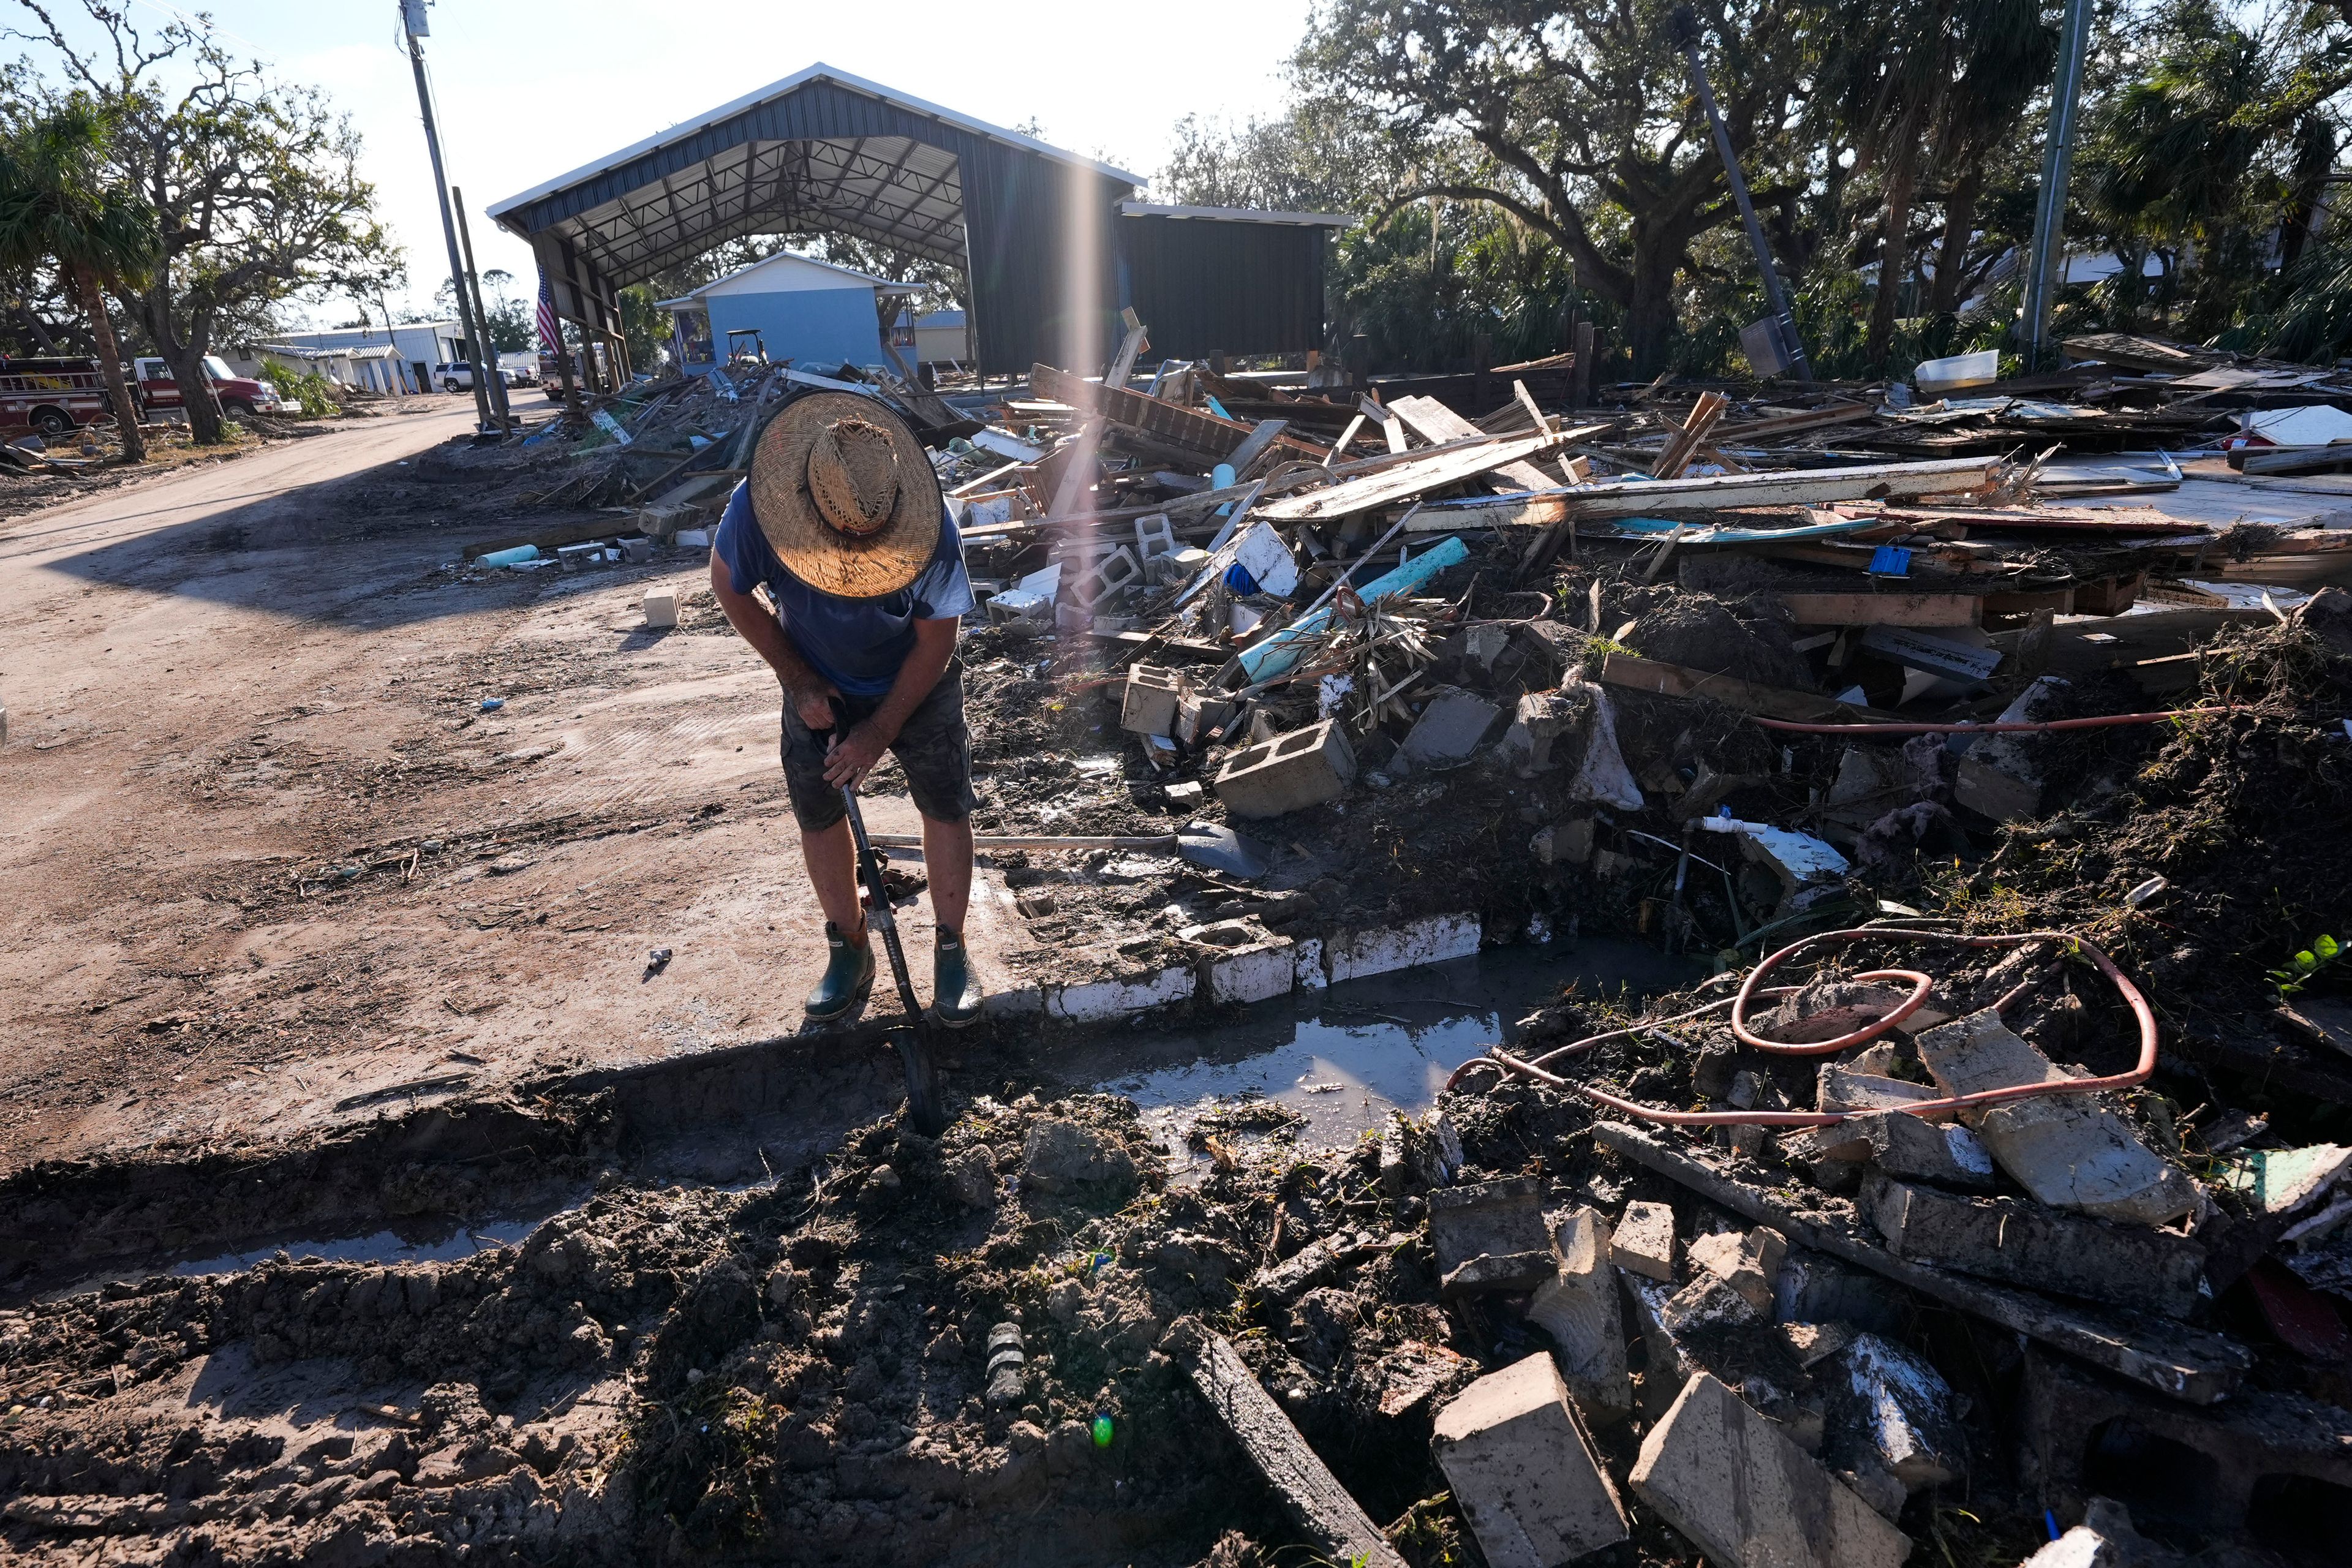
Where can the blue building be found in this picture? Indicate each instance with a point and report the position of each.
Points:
(809, 312)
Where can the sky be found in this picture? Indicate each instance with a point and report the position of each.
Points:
(529, 89)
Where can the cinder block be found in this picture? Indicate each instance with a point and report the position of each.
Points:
(1523, 1469)
(1749, 1263)
(1577, 1307)
(1251, 974)
(661, 607)
(1289, 773)
(2128, 1265)
(2213, 1469)
(1748, 1497)
(1148, 706)
(1891, 1412)
(1490, 1236)
(1432, 939)
(1908, 1149)
(2067, 1149)
(1643, 1242)
(1110, 573)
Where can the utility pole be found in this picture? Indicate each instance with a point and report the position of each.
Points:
(2046, 267)
(1784, 342)
(473, 287)
(413, 26)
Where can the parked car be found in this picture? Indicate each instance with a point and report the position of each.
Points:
(240, 397)
(458, 374)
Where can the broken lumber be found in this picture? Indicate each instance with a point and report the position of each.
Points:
(1637, 674)
(1308, 1490)
(1884, 609)
(2190, 1365)
(1683, 444)
(1440, 425)
(1204, 433)
(1417, 475)
(1810, 487)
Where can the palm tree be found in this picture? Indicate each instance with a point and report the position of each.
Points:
(58, 207)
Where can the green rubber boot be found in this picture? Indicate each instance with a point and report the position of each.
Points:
(955, 993)
(848, 978)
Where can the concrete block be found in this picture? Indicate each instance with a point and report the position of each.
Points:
(1147, 705)
(1815, 1288)
(1666, 1365)
(1154, 536)
(1843, 1088)
(1909, 1149)
(1250, 974)
(1708, 1301)
(1890, 1411)
(2277, 1462)
(2070, 1151)
(661, 608)
(1490, 1236)
(1524, 1471)
(1750, 1263)
(1110, 573)
(1102, 1000)
(1309, 974)
(1539, 723)
(1449, 729)
(1577, 1307)
(1643, 1242)
(1747, 1497)
(1289, 773)
(2128, 1266)
(1432, 939)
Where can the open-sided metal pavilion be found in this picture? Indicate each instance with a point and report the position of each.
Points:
(1053, 244)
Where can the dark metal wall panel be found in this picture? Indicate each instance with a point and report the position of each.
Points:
(1207, 284)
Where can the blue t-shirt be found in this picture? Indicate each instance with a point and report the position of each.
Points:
(857, 644)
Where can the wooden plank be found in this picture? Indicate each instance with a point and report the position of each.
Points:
(1884, 609)
(1681, 444)
(2135, 353)
(1441, 425)
(1637, 674)
(1253, 446)
(1789, 424)
(1805, 487)
(1390, 424)
(1309, 1493)
(1204, 433)
(2186, 1363)
(1407, 480)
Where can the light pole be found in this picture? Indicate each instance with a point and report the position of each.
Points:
(413, 26)
(1784, 325)
(2045, 273)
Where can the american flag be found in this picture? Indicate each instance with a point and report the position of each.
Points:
(550, 336)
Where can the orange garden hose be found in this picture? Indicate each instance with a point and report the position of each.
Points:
(1750, 990)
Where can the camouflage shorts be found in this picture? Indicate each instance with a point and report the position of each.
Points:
(933, 748)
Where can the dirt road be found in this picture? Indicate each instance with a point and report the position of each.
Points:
(271, 864)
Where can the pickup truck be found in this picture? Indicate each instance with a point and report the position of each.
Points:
(239, 397)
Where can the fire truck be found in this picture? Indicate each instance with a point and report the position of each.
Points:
(52, 395)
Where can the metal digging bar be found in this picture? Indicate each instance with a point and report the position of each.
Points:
(1792, 348)
(925, 1103)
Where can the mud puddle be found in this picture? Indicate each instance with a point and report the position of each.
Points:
(1340, 1060)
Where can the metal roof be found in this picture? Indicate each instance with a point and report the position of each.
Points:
(727, 172)
(1235, 215)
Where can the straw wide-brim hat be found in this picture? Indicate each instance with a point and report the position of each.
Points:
(845, 495)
